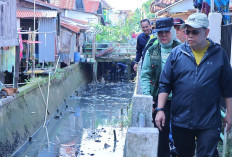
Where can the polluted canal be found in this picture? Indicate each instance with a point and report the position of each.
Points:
(91, 122)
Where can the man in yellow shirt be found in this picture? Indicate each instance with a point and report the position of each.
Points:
(198, 74)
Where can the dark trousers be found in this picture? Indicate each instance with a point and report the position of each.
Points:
(163, 147)
(185, 141)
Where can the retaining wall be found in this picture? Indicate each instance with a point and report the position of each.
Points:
(23, 114)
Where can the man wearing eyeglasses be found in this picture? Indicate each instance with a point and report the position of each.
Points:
(179, 31)
(197, 73)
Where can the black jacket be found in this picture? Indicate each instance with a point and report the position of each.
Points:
(141, 43)
(196, 90)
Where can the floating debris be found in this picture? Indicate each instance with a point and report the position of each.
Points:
(106, 146)
(97, 141)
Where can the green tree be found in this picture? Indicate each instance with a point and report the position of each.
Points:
(122, 31)
(146, 8)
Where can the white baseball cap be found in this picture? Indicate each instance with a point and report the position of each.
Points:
(197, 20)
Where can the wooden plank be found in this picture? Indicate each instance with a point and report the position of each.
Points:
(16, 69)
(27, 56)
(1, 21)
(8, 24)
(3, 3)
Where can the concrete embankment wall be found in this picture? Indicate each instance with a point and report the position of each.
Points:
(22, 115)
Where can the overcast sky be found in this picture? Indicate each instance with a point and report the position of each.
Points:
(126, 4)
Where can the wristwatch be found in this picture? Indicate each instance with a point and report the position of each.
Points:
(157, 109)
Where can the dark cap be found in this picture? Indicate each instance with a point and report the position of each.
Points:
(164, 24)
(178, 21)
(153, 24)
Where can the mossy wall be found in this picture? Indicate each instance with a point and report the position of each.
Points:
(22, 115)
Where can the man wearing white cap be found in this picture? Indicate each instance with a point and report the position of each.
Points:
(198, 74)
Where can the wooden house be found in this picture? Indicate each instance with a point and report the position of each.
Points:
(172, 8)
(45, 22)
(8, 36)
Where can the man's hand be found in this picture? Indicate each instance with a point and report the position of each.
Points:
(228, 120)
(135, 66)
(160, 120)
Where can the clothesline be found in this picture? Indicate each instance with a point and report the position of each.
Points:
(31, 32)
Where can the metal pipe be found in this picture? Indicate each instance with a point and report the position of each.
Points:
(212, 6)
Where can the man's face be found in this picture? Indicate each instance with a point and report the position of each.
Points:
(146, 27)
(196, 37)
(164, 37)
(180, 33)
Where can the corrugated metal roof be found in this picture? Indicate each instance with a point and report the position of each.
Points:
(105, 4)
(167, 8)
(45, 4)
(25, 13)
(65, 4)
(76, 20)
(72, 28)
(72, 25)
(91, 5)
(156, 6)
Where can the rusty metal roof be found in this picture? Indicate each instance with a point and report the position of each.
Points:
(45, 4)
(156, 6)
(76, 20)
(72, 28)
(26, 13)
(65, 4)
(91, 6)
(72, 24)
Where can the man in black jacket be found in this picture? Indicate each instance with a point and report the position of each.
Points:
(142, 40)
(197, 73)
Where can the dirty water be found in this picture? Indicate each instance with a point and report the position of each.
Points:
(91, 122)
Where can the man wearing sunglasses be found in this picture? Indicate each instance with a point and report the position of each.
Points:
(198, 74)
(179, 31)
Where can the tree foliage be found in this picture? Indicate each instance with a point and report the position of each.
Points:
(123, 30)
(146, 8)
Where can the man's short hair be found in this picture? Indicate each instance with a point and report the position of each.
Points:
(145, 20)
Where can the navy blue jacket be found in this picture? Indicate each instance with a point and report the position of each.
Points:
(196, 90)
(141, 43)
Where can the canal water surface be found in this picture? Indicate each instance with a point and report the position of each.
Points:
(91, 122)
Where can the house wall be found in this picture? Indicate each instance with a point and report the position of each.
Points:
(68, 45)
(65, 41)
(183, 16)
(8, 24)
(182, 6)
(87, 17)
(47, 47)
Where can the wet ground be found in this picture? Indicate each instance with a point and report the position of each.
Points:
(92, 122)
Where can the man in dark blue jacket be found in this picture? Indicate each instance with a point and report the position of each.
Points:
(198, 74)
(142, 40)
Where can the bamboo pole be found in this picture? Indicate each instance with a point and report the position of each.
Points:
(33, 53)
(16, 67)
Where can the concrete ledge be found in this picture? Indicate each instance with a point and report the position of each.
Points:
(142, 104)
(22, 115)
(141, 142)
